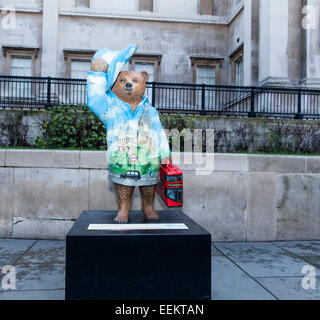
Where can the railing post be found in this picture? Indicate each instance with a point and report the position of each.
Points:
(203, 100)
(48, 92)
(153, 97)
(252, 113)
(299, 114)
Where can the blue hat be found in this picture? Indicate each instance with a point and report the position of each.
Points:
(116, 61)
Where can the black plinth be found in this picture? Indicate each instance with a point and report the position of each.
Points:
(138, 264)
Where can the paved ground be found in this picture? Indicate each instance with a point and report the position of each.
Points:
(240, 271)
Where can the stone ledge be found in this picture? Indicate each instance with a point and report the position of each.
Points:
(212, 162)
(215, 162)
(93, 160)
(2, 157)
(313, 165)
(42, 158)
(230, 162)
(278, 164)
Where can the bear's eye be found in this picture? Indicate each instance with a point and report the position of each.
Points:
(122, 80)
(134, 80)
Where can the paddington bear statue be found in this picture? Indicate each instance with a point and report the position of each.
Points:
(137, 143)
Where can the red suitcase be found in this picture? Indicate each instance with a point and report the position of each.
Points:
(170, 187)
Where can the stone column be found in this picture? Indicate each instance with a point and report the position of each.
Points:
(273, 42)
(311, 43)
(251, 42)
(49, 48)
(247, 48)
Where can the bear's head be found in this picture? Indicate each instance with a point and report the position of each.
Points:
(130, 86)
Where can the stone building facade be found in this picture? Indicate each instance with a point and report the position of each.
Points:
(222, 42)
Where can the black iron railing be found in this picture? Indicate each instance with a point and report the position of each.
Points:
(42, 92)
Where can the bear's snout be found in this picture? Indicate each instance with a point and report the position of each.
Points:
(129, 85)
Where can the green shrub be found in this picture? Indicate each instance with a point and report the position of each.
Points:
(71, 127)
(178, 121)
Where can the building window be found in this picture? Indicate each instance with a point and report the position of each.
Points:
(206, 75)
(146, 5)
(206, 71)
(206, 7)
(147, 62)
(77, 66)
(149, 67)
(82, 3)
(77, 62)
(79, 69)
(237, 70)
(150, 63)
(145, 66)
(20, 61)
(21, 66)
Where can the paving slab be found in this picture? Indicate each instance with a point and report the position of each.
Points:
(12, 249)
(263, 259)
(42, 267)
(306, 250)
(215, 251)
(230, 283)
(290, 288)
(32, 295)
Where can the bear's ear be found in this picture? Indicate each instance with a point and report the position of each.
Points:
(145, 75)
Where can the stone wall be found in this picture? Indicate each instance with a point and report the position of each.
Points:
(243, 198)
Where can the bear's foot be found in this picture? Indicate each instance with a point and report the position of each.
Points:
(124, 195)
(147, 198)
(150, 214)
(121, 218)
